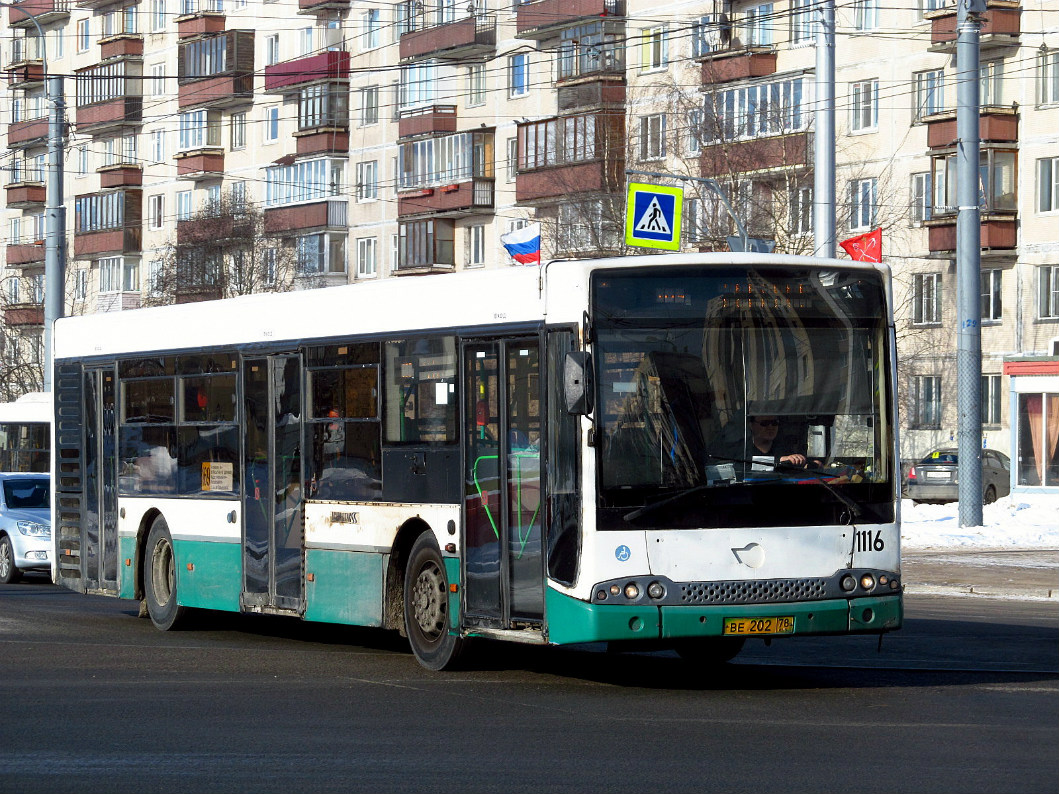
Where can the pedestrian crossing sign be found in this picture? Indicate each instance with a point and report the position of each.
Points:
(652, 216)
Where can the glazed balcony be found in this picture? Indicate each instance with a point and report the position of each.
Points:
(198, 164)
(435, 119)
(995, 124)
(426, 246)
(999, 233)
(108, 223)
(216, 70)
(473, 36)
(25, 254)
(121, 175)
(44, 10)
(468, 197)
(23, 315)
(779, 152)
(24, 134)
(298, 218)
(743, 63)
(1001, 26)
(25, 195)
(291, 76)
(544, 19)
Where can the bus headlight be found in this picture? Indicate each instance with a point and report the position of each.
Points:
(849, 584)
(867, 581)
(632, 592)
(655, 590)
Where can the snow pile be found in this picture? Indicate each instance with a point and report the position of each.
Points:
(1018, 521)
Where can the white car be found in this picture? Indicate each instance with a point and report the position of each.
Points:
(25, 524)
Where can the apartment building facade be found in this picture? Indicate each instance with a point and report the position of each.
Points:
(216, 147)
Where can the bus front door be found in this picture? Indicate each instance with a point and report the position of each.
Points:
(100, 530)
(273, 529)
(503, 572)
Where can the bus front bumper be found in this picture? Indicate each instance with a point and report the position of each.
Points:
(571, 620)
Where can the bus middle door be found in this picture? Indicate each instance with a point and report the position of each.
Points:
(504, 576)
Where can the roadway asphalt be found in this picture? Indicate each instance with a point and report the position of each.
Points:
(1031, 574)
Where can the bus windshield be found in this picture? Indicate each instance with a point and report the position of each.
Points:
(742, 397)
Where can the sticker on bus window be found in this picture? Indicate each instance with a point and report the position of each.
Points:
(218, 476)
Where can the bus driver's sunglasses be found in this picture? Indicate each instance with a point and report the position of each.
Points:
(767, 422)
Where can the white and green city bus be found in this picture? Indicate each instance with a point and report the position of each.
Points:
(556, 454)
(25, 433)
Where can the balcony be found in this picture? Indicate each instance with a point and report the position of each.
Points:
(290, 76)
(23, 315)
(108, 223)
(24, 195)
(216, 70)
(595, 176)
(24, 134)
(778, 152)
(124, 45)
(1000, 28)
(121, 175)
(999, 233)
(426, 246)
(324, 140)
(545, 19)
(118, 301)
(200, 164)
(320, 6)
(44, 10)
(214, 229)
(463, 198)
(201, 24)
(474, 36)
(24, 254)
(743, 63)
(23, 63)
(436, 119)
(600, 90)
(995, 124)
(110, 115)
(327, 214)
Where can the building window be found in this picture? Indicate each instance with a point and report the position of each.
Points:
(705, 36)
(158, 146)
(803, 29)
(1048, 184)
(110, 274)
(926, 401)
(305, 41)
(864, 105)
(1048, 293)
(996, 181)
(444, 160)
(272, 49)
(992, 285)
(929, 93)
(238, 131)
(1038, 452)
(476, 84)
(654, 49)
(366, 257)
(512, 159)
(305, 180)
(367, 180)
(518, 75)
(272, 124)
(476, 245)
(81, 284)
(694, 131)
(920, 206)
(862, 204)
(926, 303)
(992, 399)
(320, 253)
(991, 83)
(865, 15)
(183, 205)
(426, 243)
(1048, 77)
(199, 129)
(753, 111)
(158, 15)
(369, 105)
(158, 79)
(84, 35)
(371, 29)
(418, 85)
(557, 141)
(802, 210)
(323, 105)
(155, 211)
(694, 221)
(653, 136)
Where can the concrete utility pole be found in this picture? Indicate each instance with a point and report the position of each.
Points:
(968, 266)
(54, 209)
(825, 241)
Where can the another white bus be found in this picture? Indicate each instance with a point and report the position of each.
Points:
(562, 454)
(25, 433)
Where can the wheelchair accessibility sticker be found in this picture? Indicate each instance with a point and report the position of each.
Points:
(623, 553)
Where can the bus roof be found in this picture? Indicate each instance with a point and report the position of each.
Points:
(476, 299)
(34, 406)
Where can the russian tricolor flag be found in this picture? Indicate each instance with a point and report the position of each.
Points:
(524, 244)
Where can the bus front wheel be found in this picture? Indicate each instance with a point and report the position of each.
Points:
(426, 607)
(159, 578)
(709, 651)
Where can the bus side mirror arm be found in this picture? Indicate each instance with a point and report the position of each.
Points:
(578, 382)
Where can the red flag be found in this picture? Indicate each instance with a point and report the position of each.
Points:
(865, 247)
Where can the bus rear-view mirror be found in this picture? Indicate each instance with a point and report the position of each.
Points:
(577, 382)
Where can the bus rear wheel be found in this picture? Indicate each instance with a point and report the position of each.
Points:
(426, 607)
(709, 651)
(159, 578)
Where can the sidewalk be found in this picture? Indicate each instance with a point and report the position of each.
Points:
(1031, 574)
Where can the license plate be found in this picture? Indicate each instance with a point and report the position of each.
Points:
(748, 626)
(938, 475)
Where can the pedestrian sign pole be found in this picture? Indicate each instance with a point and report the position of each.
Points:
(653, 215)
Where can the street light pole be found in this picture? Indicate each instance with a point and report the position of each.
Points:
(54, 209)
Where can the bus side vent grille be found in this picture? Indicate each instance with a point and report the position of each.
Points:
(755, 592)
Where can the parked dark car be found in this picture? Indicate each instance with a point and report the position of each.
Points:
(934, 478)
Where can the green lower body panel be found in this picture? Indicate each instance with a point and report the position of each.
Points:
(345, 587)
(452, 571)
(571, 620)
(209, 574)
(127, 573)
